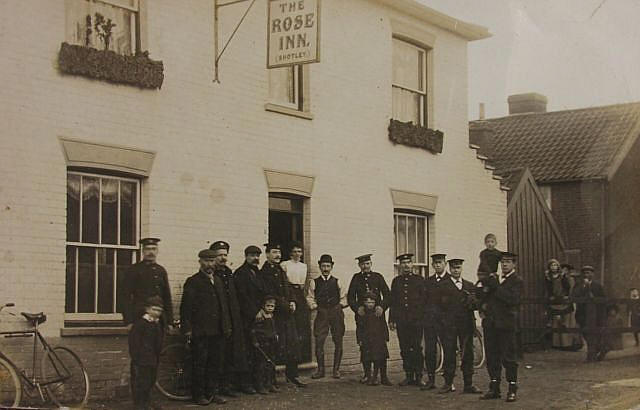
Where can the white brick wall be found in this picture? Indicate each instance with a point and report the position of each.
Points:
(214, 140)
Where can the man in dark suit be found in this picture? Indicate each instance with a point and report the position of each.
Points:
(433, 325)
(590, 316)
(144, 280)
(276, 284)
(205, 320)
(500, 299)
(250, 290)
(362, 283)
(458, 304)
(406, 316)
(235, 352)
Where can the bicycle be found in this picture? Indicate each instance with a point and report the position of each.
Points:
(175, 370)
(478, 352)
(62, 378)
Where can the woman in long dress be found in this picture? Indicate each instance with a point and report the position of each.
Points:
(559, 308)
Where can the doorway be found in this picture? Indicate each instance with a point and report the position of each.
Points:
(285, 221)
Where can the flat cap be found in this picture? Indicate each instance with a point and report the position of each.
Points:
(219, 245)
(326, 258)
(149, 241)
(207, 254)
(404, 256)
(588, 267)
(252, 249)
(154, 301)
(364, 258)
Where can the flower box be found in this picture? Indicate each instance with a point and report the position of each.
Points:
(406, 133)
(106, 65)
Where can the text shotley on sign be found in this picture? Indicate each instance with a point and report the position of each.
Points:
(293, 32)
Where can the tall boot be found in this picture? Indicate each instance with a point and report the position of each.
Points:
(431, 382)
(511, 394)
(494, 391)
(337, 359)
(384, 380)
(319, 374)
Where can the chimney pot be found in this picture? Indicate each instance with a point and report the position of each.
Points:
(527, 103)
(481, 111)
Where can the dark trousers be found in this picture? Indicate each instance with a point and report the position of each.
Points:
(142, 380)
(207, 364)
(264, 372)
(593, 337)
(501, 351)
(329, 319)
(430, 348)
(455, 339)
(289, 344)
(410, 338)
(302, 317)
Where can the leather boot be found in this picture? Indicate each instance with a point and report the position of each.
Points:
(494, 391)
(430, 384)
(384, 380)
(337, 359)
(319, 374)
(511, 394)
(407, 380)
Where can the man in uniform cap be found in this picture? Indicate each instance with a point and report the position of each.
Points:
(501, 296)
(276, 284)
(250, 289)
(368, 281)
(146, 279)
(325, 296)
(235, 349)
(590, 316)
(205, 319)
(406, 314)
(458, 303)
(433, 325)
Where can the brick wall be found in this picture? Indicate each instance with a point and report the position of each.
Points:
(213, 142)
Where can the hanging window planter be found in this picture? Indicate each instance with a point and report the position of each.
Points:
(138, 70)
(406, 133)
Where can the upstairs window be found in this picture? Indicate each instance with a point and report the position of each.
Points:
(285, 87)
(409, 83)
(103, 24)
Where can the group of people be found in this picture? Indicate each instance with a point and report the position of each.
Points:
(241, 323)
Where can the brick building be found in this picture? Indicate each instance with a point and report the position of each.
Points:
(96, 155)
(586, 165)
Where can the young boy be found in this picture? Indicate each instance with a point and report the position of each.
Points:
(634, 312)
(145, 344)
(373, 337)
(265, 341)
(490, 256)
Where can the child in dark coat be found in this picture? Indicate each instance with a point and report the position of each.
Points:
(373, 335)
(265, 342)
(145, 344)
(490, 256)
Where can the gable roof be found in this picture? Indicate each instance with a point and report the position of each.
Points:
(587, 143)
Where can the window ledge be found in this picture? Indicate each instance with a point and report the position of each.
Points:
(93, 331)
(288, 111)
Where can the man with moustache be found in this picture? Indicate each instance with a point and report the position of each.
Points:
(235, 352)
(250, 290)
(362, 283)
(276, 284)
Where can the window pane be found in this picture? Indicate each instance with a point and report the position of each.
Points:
(70, 283)
(105, 280)
(402, 234)
(406, 105)
(128, 214)
(87, 21)
(395, 235)
(109, 211)
(282, 85)
(124, 261)
(407, 65)
(90, 203)
(73, 208)
(86, 280)
(411, 239)
(420, 258)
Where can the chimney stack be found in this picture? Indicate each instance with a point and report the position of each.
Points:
(481, 111)
(527, 103)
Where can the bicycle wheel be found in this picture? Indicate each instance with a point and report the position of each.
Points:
(478, 349)
(64, 377)
(439, 356)
(174, 372)
(10, 386)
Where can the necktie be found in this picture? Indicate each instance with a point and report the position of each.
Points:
(459, 285)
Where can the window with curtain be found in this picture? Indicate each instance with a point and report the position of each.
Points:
(285, 86)
(102, 242)
(411, 235)
(409, 82)
(89, 21)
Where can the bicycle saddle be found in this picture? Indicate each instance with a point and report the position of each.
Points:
(35, 317)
